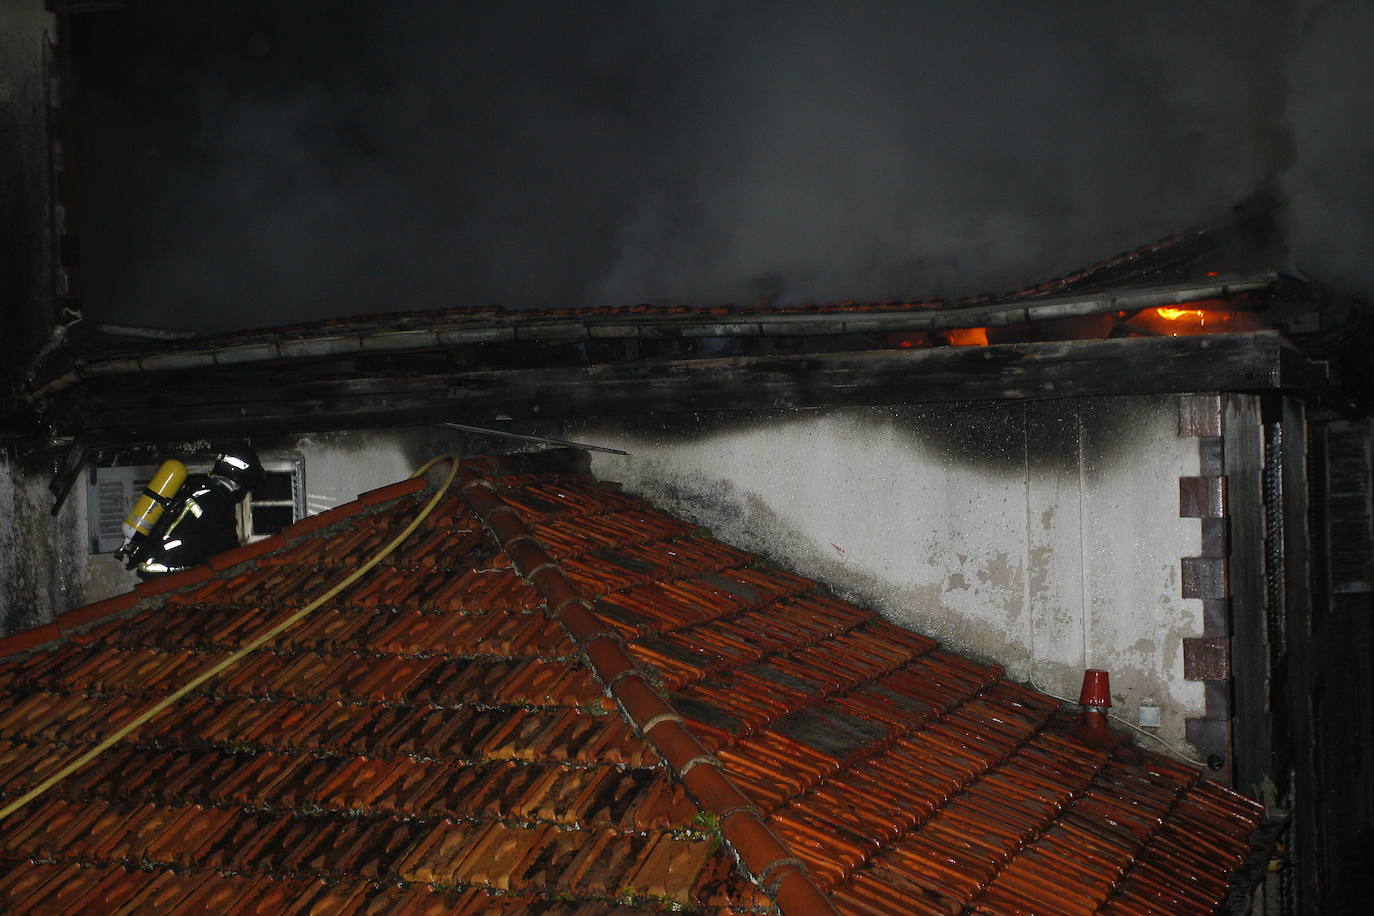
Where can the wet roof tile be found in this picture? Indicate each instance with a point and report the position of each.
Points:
(451, 736)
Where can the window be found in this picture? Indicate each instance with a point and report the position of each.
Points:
(110, 494)
(275, 503)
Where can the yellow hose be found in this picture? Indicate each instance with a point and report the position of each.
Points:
(424, 468)
(142, 718)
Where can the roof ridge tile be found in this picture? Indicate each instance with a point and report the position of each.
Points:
(756, 846)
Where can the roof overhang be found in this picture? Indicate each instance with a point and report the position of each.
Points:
(404, 333)
(150, 407)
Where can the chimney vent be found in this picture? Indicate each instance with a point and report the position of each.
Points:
(1096, 695)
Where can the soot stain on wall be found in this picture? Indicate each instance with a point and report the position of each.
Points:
(997, 438)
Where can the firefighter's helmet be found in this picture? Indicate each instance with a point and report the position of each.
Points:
(240, 465)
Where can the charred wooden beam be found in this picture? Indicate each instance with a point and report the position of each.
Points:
(181, 405)
(427, 331)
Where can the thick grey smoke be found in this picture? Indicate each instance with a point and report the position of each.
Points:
(1330, 188)
(285, 163)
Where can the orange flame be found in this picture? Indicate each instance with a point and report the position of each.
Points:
(1169, 314)
(968, 337)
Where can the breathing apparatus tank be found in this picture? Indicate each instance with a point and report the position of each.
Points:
(151, 505)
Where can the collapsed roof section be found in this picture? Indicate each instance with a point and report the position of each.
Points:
(554, 698)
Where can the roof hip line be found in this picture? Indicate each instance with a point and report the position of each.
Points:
(764, 856)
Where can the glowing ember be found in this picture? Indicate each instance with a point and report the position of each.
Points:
(908, 339)
(1175, 314)
(969, 337)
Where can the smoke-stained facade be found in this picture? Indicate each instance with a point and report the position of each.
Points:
(1019, 487)
(1044, 537)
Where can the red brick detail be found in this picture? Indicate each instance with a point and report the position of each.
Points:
(639, 700)
(1204, 577)
(243, 554)
(19, 642)
(98, 611)
(609, 660)
(1199, 415)
(757, 846)
(394, 491)
(170, 583)
(1206, 658)
(1202, 497)
(676, 745)
(797, 895)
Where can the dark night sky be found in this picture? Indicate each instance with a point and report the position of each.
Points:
(254, 163)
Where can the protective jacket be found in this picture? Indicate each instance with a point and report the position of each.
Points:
(202, 525)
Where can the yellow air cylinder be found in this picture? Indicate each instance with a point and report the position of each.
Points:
(149, 506)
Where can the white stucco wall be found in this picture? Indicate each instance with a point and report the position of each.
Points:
(339, 466)
(1044, 537)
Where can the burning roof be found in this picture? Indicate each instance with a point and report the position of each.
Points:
(1203, 311)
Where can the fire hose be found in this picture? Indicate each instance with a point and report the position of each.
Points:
(257, 642)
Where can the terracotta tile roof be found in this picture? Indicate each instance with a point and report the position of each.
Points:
(554, 698)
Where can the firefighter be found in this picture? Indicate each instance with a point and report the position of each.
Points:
(198, 519)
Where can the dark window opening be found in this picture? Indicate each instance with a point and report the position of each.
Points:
(274, 503)
(271, 519)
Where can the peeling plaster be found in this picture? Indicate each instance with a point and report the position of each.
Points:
(43, 561)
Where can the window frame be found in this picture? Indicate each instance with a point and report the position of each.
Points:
(273, 464)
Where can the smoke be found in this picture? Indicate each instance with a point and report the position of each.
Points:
(284, 163)
(1330, 188)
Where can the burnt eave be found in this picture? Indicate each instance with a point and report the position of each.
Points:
(423, 331)
(149, 407)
